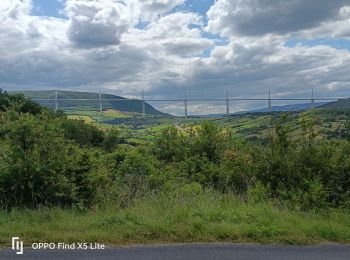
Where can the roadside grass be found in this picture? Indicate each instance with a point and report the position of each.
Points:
(180, 218)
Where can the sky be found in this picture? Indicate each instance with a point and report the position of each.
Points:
(163, 47)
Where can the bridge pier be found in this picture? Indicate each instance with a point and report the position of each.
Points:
(143, 104)
(186, 104)
(56, 101)
(270, 101)
(227, 104)
(101, 102)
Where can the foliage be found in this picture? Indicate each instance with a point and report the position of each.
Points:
(347, 129)
(111, 140)
(47, 159)
(170, 145)
(19, 103)
(83, 134)
(39, 166)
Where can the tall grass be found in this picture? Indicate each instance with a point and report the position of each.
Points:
(176, 218)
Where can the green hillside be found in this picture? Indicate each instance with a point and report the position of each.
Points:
(340, 104)
(252, 127)
(125, 105)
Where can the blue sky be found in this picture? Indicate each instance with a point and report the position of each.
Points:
(198, 6)
(54, 8)
(335, 43)
(47, 8)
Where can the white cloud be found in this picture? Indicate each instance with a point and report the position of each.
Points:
(176, 34)
(150, 10)
(96, 23)
(100, 45)
(260, 17)
(338, 27)
(14, 9)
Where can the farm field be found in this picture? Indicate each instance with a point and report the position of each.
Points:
(253, 127)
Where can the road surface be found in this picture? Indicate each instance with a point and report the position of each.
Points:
(192, 252)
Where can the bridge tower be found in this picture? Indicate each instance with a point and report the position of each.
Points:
(227, 104)
(101, 102)
(186, 103)
(143, 104)
(270, 101)
(56, 101)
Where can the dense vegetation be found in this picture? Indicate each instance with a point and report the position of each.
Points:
(49, 160)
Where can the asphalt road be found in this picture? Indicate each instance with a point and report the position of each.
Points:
(193, 252)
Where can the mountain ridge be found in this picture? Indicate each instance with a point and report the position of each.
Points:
(281, 108)
(124, 104)
(340, 104)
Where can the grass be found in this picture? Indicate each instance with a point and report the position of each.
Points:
(110, 113)
(86, 119)
(177, 219)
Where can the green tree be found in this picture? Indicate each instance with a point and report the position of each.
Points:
(86, 135)
(36, 160)
(210, 141)
(347, 130)
(39, 166)
(20, 103)
(111, 140)
(170, 145)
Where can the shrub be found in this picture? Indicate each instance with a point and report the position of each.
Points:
(40, 167)
(19, 103)
(85, 135)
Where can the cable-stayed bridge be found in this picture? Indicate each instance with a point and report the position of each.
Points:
(100, 99)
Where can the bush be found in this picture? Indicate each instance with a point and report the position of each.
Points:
(85, 135)
(111, 140)
(19, 103)
(40, 167)
(170, 145)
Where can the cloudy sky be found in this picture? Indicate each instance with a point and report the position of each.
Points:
(165, 46)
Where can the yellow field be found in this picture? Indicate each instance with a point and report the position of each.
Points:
(86, 119)
(115, 113)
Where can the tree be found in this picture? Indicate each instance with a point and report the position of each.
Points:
(111, 140)
(170, 145)
(210, 141)
(347, 130)
(86, 135)
(20, 103)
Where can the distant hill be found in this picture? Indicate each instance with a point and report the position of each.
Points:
(341, 103)
(293, 107)
(283, 108)
(125, 105)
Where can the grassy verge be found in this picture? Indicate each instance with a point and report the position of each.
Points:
(166, 219)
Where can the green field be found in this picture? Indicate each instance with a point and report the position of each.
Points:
(250, 126)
